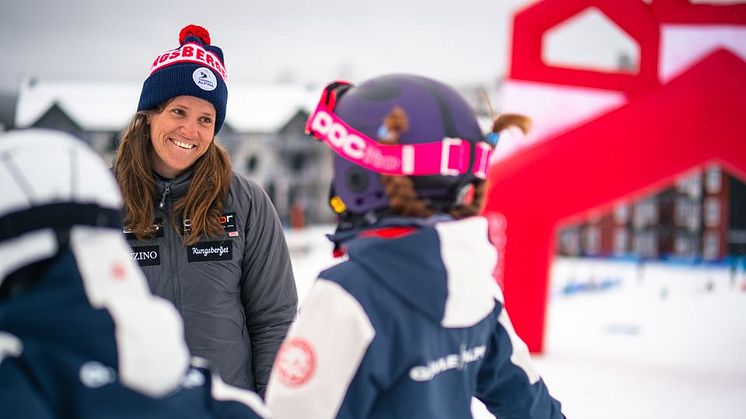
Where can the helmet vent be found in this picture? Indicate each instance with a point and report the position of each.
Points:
(357, 180)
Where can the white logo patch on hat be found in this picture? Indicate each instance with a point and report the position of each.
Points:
(205, 79)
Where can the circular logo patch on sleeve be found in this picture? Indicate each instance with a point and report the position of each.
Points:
(296, 362)
(205, 79)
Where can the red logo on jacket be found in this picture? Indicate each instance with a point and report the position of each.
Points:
(296, 362)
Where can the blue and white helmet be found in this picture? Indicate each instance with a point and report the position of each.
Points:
(51, 182)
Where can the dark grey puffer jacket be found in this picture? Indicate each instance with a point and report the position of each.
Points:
(236, 292)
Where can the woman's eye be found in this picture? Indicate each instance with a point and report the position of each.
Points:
(178, 111)
(206, 120)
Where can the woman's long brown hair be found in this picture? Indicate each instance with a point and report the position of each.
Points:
(203, 203)
(403, 198)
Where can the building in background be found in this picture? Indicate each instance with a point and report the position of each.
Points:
(701, 217)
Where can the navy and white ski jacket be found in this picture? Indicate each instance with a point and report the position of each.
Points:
(89, 341)
(412, 325)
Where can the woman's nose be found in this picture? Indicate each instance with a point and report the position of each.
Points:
(189, 128)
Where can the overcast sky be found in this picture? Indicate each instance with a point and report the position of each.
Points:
(463, 41)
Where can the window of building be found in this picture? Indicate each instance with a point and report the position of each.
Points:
(592, 240)
(297, 162)
(685, 245)
(687, 213)
(712, 212)
(620, 241)
(569, 242)
(690, 185)
(645, 213)
(711, 245)
(645, 244)
(621, 213)
(113, 141)
(252, 162)
(713, 180)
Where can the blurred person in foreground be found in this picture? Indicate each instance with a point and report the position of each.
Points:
(81, 336)
(207, 239)
(412, 324)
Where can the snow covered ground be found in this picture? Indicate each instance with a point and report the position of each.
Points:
(668, 341)
(624, 340)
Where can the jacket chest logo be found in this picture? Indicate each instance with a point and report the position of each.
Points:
(210, 251)
(227, 220)
(146, 255)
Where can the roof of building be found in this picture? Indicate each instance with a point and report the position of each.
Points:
(108, 106)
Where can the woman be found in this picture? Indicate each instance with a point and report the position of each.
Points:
(208, 239)
(412, 325)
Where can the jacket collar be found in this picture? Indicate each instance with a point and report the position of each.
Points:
(178, 186)
(342, 235)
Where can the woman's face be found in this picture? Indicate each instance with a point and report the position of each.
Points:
(180, 134)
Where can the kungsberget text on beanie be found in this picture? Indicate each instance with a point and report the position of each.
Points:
(196, 68)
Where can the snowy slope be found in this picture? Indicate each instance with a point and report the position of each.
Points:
(624, 340)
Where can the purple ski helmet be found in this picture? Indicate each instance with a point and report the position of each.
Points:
(435, 113)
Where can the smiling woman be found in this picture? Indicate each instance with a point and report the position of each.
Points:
(214, 244)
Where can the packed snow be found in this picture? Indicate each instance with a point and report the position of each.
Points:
(624, 339)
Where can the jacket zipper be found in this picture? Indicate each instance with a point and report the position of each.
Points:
(172, 247)
(166, 191)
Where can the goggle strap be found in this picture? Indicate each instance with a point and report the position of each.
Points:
(449, 157)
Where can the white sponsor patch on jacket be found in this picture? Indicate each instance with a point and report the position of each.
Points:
(210, 251)
(457, 361)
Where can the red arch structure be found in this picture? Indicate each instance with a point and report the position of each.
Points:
(682, 11)
(697, 118)
(531, 24)
(663, 131)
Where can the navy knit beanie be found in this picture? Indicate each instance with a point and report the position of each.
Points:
(195, 68)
